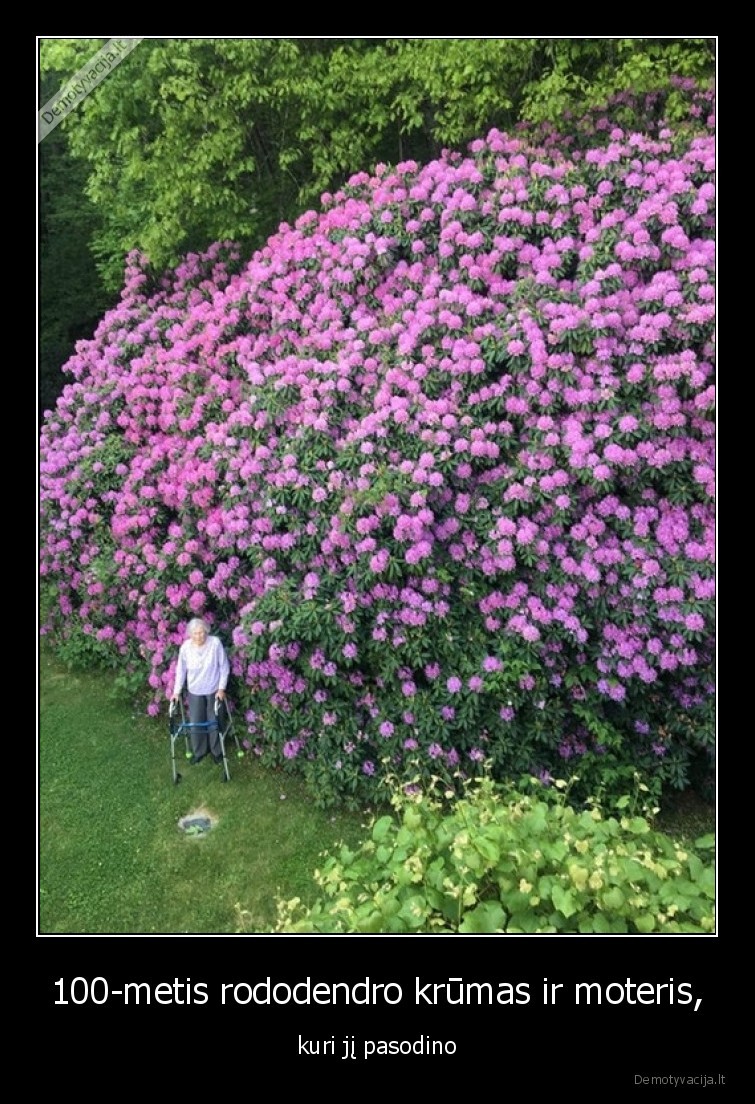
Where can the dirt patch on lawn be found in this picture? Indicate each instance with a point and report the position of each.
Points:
(197, 823)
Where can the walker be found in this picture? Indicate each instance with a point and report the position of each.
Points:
(180, 727)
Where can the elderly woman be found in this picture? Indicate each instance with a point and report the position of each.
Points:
(203, 666)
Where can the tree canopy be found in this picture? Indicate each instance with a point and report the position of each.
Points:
(191, 141)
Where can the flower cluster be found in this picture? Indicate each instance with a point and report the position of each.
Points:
(437, 462)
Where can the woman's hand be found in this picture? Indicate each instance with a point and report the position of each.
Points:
(220, 695)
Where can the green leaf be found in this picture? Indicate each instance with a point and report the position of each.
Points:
(382, 827)
(489, 851)
(563, 899)
(613, 899)
(413, 911)
(372, 923)
(487, 917)
(707, 882)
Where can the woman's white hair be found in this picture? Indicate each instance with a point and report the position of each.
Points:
(197, 623)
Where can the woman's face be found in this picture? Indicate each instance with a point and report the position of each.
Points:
(198, 636)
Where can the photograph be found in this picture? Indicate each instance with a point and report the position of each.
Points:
(376, 544)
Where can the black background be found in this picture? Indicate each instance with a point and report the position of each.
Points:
(566, 1046)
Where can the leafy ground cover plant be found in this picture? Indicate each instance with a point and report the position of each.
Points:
(509, 861)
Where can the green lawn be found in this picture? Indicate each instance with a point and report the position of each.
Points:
(111, 856)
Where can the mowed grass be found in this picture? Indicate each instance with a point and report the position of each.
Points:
(112, 858)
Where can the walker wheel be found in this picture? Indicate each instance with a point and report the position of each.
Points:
(177, 779)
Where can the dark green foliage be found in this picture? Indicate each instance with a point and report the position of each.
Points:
(72, 297)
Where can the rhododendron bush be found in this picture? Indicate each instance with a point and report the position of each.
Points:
(436, 464)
